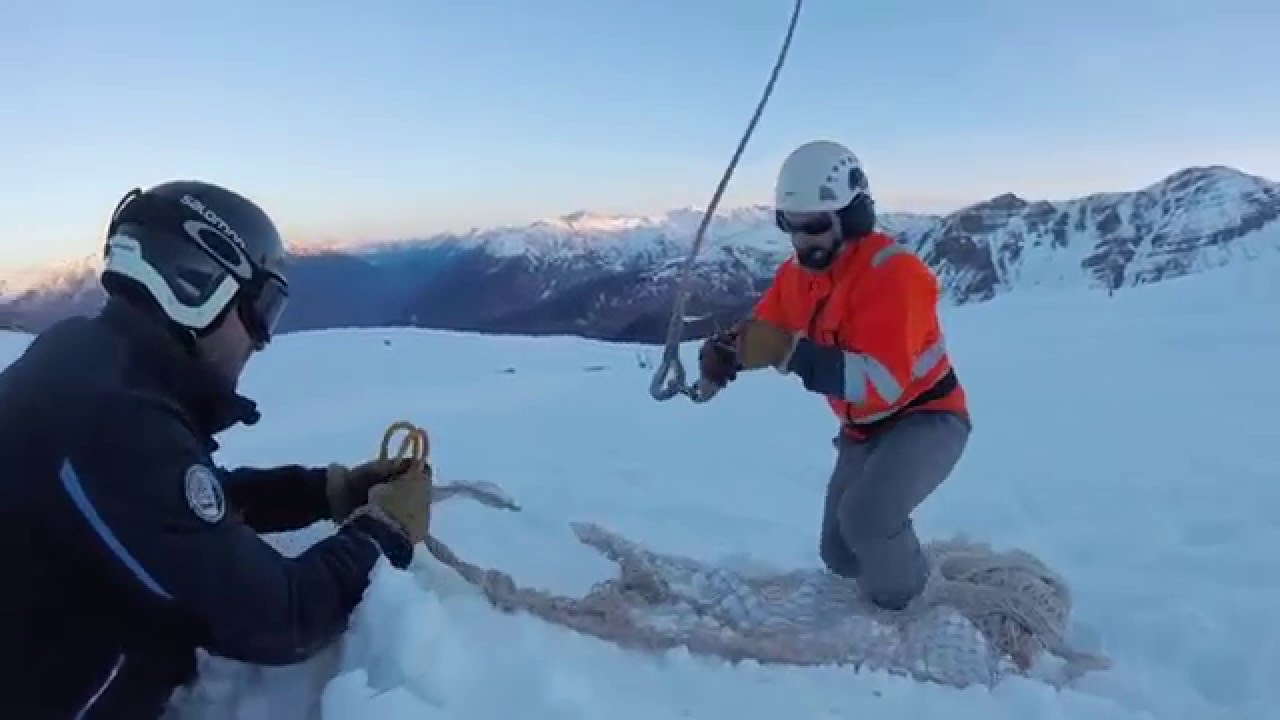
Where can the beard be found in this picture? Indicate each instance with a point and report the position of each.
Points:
(815, 258)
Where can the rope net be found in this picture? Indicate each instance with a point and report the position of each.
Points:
(983, 615)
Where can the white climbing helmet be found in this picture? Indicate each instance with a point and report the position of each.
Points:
(819, 176)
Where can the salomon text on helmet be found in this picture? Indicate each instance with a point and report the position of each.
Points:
(199, 250)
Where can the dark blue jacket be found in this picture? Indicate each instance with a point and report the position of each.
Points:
(125, 548)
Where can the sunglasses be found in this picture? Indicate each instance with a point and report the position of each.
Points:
(804, 223)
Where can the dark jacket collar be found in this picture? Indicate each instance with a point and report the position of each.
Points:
(173, 363)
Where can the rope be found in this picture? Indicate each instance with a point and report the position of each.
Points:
(1013, 625)
(415, 442)
(671, 365)
(416, 446)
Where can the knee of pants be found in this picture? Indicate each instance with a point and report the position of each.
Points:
(893, 571)
(866, 523)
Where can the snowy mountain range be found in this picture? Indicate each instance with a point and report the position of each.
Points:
(614, 277)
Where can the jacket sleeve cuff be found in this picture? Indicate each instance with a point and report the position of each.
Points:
(800, 360)
(784, 365)
(820, 368)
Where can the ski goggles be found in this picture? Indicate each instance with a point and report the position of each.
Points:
(194, 270)
(261, 314)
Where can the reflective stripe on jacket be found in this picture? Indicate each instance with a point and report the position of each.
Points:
(872, 317)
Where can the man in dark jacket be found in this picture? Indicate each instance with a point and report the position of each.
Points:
(125, 546)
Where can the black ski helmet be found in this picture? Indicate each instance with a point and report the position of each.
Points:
(198, 250)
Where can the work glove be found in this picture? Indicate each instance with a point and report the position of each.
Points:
(718, 359)
(348, 487)
(762, 344)
(407, 500)
(751, 344)
(398, 514)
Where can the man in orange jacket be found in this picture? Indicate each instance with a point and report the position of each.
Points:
(854, 315)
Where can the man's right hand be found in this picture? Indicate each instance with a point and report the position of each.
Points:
(406, 500)
(397, 515)
(718, 358)
(348, 487)
(751, 344)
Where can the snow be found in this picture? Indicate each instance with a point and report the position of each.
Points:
(624, 239)
(1126, 441)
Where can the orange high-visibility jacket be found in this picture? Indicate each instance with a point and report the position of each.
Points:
(872, 344)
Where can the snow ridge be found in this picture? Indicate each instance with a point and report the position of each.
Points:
(611, 276)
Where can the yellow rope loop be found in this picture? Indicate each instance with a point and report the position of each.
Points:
(415, 445)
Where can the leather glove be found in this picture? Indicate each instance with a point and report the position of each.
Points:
(718, 359)
(397, 516)
(762, 344)
(348, 487)
(751, 344)
(407, 502)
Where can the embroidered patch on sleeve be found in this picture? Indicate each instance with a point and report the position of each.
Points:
(204, 494)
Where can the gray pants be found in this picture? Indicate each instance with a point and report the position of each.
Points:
(866, 521)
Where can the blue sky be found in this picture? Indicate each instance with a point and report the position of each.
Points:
(411, 117)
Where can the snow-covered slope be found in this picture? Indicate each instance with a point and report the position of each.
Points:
(613, 277)
(1156, 501)
(1194, 220)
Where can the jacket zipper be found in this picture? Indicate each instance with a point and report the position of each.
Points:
(106, 683)
(818, 307)
(813, 327)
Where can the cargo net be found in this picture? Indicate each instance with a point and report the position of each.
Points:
(983, 614)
